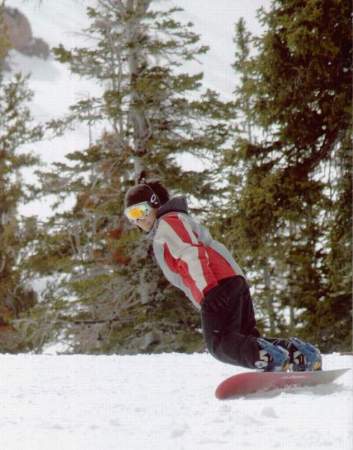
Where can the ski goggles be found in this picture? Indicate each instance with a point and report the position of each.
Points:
(137, 212)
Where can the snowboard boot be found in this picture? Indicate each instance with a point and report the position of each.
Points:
(272, 358)
(303, 356)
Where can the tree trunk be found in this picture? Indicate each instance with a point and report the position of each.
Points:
(141, 131)
(269, 303)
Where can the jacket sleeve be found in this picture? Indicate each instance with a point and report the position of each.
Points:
(193, 264)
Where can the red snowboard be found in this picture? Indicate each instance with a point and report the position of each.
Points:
(251, 382)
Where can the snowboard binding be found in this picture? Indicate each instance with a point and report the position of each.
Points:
(303, 356)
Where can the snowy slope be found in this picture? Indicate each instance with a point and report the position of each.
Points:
(156, 402)
(55, 89)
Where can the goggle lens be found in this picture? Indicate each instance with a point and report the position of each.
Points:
(137, 212)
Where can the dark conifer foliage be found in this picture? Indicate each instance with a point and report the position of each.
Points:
(292, 168)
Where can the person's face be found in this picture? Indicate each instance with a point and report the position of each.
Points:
(142, 214)
(146, 222)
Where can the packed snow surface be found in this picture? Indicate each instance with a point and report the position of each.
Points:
(158, 402)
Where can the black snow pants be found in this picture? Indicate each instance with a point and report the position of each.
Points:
(228, 323)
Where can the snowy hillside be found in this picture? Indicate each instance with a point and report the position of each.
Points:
(158, 402)
(55, 88)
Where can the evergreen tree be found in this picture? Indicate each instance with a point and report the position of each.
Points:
(335, 314)
(152, 112)
(296, 90)
(16, 233)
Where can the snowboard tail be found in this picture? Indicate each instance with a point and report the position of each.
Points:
(251, 382)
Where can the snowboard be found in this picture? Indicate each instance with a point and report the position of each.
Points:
(246, 383)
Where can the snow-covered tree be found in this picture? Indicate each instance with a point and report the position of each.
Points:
(16, 233)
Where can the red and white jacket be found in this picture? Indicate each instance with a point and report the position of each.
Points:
(188, 256)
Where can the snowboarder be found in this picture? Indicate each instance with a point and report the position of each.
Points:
(209, 276)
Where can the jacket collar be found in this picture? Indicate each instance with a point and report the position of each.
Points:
(176, 204)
